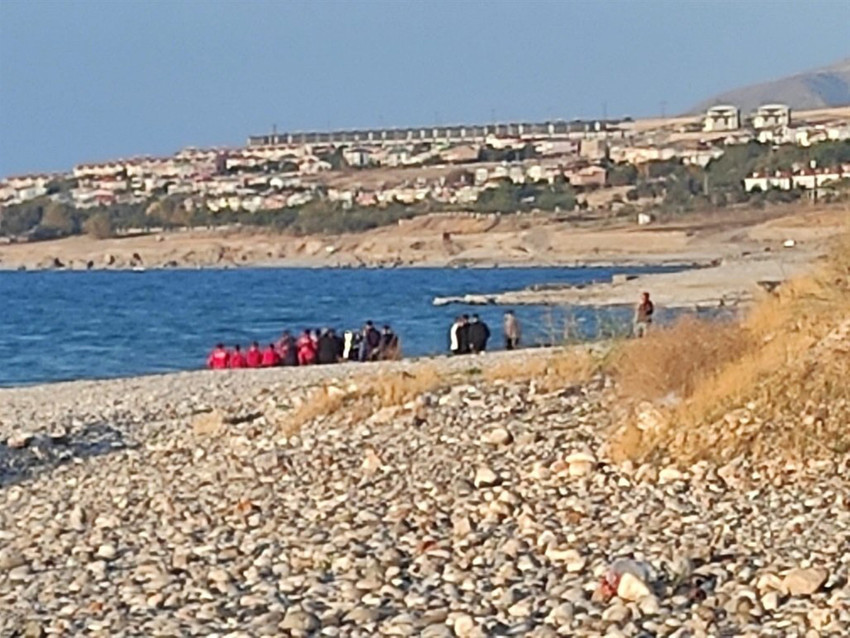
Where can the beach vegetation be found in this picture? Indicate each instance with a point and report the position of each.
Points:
(772, 385)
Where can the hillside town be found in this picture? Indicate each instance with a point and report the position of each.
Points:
(449, 168)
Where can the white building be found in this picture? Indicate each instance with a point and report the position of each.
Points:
(724, 117)
(771, 116)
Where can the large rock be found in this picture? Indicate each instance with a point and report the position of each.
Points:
(581, 463)
(10, 558)
(485, 477)
(804, 582)
(299, 620)
(632, 588)
(497, 436)
(19, 440)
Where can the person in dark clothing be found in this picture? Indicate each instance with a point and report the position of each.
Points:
(371, 342)
(354, 350)
(389, 348)
(339, 342)
(479, 334)
(286, 350)
(326, 348)
(463, 335)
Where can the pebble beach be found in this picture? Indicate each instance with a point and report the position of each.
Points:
(183, 505)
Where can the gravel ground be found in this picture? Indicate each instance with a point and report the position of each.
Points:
(479, 510)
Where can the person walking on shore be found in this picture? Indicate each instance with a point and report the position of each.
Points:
(643, 316)
(512, 330)
(479, 334)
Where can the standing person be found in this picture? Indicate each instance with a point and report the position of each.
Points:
(339, 342)
(348, 346)
(463, 335)
(356, 343)
(512, 331)
(237, 359)
(370, 343)
(306, 349)
(326, 350)
(270, 357)
(254, 358)
(479, 334)
(389, 348)
(643, 316)
(219, 358)
(454, 336)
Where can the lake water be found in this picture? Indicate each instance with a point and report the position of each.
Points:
(74, 325)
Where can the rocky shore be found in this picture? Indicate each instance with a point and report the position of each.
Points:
(187, 505)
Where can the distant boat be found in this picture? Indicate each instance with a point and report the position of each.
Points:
(138, 269)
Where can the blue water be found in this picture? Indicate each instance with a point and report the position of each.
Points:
(73, 325)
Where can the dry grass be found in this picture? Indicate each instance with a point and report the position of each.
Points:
(567, 367)
(774, 385)
(676, 359)
(363, 396)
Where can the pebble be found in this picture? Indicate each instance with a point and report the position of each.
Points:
(187, 503)
(804, 582)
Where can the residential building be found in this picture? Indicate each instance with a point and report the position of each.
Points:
(724, 117)
(588, 177)
(771, 116)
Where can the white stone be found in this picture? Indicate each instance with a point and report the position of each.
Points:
(107, 551)
(485, 477)
(631, 588)
(670, 474)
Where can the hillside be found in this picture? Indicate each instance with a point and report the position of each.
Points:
(820, 88)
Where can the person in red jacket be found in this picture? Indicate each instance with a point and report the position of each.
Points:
(270, 357)
(254, 358)
(306, 349)
(219, 358)
(237, 359)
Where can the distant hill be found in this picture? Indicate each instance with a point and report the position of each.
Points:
(820, 88)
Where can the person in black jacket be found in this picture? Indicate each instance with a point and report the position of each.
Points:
(463, 335)
(326, 349)
(479, 334)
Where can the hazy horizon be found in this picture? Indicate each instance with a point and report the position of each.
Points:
(91, 81)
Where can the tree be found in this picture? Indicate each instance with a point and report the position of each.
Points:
(98, 225)
(58, 220)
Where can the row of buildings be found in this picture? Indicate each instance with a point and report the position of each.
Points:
(286, 170)
(808, 178)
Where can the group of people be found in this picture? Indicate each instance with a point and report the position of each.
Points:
(469, 335)
(312, 347)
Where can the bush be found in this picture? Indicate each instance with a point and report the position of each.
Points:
(99, 225)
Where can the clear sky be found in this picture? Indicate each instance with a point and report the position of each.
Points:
(95, 80)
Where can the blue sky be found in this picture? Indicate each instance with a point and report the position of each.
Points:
(88, 81)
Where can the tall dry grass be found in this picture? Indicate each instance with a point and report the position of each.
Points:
(365, 395)
(562, 368)
(774, 384)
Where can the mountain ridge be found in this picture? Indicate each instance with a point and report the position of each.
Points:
(824, 87)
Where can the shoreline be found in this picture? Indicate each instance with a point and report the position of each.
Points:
(440, 241)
